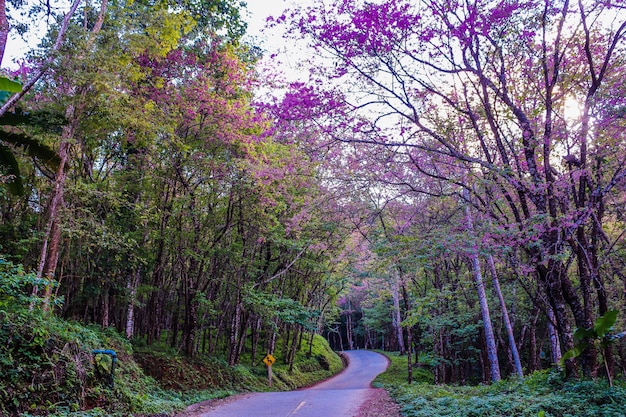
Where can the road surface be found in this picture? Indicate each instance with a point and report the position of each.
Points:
(340, 396)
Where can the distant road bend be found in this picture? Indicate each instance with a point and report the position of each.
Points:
(340, 396)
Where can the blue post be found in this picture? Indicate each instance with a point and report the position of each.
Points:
(113, 361)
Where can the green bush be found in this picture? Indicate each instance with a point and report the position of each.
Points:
(16, 287)
(542, 394)
(47, 366)
(512, 398)
(46, 362)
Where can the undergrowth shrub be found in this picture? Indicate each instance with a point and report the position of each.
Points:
(542, 394)
(521, 398)
(47, 365)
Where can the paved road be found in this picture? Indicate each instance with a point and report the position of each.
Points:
(340, 396)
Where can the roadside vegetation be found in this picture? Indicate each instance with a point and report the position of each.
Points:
(48, 366)
(542, 394)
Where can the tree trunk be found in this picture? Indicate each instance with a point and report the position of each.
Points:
(505, 318)
(131, 286)
(256, 335)
(294, 347)
(550, 279)
(534, 363)
(490, 341)
(50, 248)
(409, 332)
(555, 344)
(397, 315)
(349, 326)
(234, 333)
(105, 306)
(190, 328)
(243, 334)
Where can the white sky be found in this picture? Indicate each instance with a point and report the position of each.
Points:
(280, 55)
(257, 13)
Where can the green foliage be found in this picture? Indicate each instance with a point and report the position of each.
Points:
(46, 362)
(10, 86)
(283, 308)
(544, 393)
(320, 364)
(16, 287)
(397, 372)
(33, 147)
(598, 335)
(541, 394)
(47, 368)
(180, 373)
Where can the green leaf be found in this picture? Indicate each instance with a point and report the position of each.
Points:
(582, 333)
(605, 323)
(10, 85)
(14, 119)
(8, 161)
(574, 352)
(33, 147)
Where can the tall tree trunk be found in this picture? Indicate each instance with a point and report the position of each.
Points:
(241, 342)
(349, 326)
(505, 318)
(534, 360)
(256, 335)
(234, 332)
(294, 347)
(340, 338)
(154, 306)
(397, 314)
(50, 248)
(551, 280)
(131, 286)
(490, 340)
(190, 329)
(105, 306)
(555, 344)
(409, 332)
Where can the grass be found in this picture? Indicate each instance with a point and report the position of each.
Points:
(397, 372)
(542, 394)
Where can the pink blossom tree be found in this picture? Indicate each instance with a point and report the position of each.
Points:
(519, 103)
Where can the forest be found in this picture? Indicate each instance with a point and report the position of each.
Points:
(443, 179)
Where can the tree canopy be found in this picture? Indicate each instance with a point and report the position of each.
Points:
(447, 180)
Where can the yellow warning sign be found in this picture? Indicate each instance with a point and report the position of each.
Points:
(269, 359)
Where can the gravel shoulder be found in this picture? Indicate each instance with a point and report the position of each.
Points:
(197, 410)
(379, 404)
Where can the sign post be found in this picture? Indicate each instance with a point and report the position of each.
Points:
(113, 354)
(269, 361)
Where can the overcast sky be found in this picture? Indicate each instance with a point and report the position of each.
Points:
(260, 10)
(257, 13)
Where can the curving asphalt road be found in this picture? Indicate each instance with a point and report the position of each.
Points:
(339, 396)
